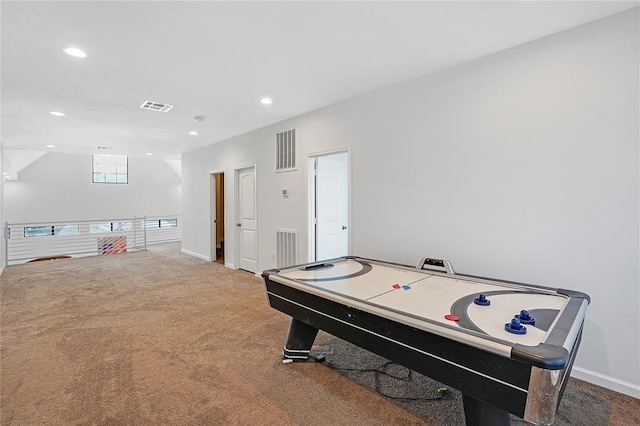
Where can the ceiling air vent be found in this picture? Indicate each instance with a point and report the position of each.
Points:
(286, 151)
(156, 106)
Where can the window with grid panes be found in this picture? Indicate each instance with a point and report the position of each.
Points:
(110, 168)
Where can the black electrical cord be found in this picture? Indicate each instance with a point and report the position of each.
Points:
(381, 371)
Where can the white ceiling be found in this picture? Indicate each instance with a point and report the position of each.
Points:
(218, 59)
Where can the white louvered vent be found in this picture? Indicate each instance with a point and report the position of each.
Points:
(287, 247)
(156, 106)
(286, 150)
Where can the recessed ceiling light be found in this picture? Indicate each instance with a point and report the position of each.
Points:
(74, 51)
(50, 146)
(266, 101)
(57, 113)
(193, 133)
(149, 153)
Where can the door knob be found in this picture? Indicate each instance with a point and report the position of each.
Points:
(238, 224)
(344, 227)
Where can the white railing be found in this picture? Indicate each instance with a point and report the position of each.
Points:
(25, 242)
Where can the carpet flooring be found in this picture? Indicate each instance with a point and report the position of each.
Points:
(161, 338)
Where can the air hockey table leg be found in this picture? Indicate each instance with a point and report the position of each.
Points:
(479, 413)
(299, 341)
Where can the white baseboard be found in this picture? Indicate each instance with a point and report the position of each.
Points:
(198, 255)
(606, 382)
(229, 265)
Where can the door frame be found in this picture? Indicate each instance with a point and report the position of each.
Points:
(236, 203)
(311, 231)
(213, 216)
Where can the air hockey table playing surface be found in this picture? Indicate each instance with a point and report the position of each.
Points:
(358, 298)
(423, 296)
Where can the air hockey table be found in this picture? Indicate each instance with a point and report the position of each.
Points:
(508, 347)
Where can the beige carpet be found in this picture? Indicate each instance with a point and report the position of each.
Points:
(160, 338)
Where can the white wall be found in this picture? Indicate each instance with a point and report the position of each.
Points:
(58, 187)
(3, 263)
(523, 165)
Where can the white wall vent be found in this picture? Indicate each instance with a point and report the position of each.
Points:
(287, 247)
(286, 150)
(156, 106)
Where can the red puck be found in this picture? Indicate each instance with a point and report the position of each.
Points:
(396, 286)
(452, 317)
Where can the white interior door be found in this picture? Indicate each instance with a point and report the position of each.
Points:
(247, 241)
(332, 235)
